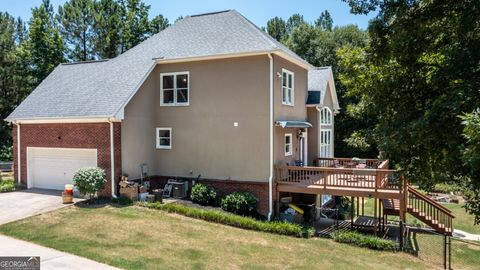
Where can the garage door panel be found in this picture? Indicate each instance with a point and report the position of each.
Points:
(52, 168)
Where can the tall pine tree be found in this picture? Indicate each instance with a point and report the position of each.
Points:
(158, 23)
(15, 82)
(107, 28)
(44, 47)
(75, 19)
(136, 25)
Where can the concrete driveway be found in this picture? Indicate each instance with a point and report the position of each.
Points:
(25, 203)
(50, 259)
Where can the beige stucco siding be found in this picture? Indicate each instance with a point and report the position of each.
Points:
(279, 146)
(328, 102)
(286, 112)
(204, 138)
(313, 134)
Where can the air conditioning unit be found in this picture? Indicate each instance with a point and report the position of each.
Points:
(176, 189)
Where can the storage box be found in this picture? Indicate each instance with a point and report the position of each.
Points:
(142, 196)
(129, 192)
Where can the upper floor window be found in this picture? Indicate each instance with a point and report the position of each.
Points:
(325, 116)
(174, 89)
(288, 90)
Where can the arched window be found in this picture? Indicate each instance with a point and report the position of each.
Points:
(325, 116)
(326, 132)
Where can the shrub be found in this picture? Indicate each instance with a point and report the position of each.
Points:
(89, 180)
(367, 241)
(122, 200)
(7, 186)
(6, 153)
(447, 188)
(249, 223)
(204, 194)
(240, 203)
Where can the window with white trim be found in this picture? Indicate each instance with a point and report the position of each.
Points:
(326, 143)
(326, 132)
(174, 89)
(288, 144)
(288, 89)
(325, 116)
(164, 138)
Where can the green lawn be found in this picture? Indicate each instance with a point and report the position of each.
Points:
(138, 238)
(463, 221)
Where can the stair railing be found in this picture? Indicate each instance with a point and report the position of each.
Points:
(430, 208)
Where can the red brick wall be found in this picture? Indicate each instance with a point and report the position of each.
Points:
(74, 135)
(225, 187)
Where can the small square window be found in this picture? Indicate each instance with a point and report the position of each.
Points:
(164, 138)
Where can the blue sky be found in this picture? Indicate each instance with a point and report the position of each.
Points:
(258, 11)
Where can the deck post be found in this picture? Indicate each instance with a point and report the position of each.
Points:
(277, 205)
(358, 206)
(375, 216)
(363, 206)
(403, 207)
(352, 213)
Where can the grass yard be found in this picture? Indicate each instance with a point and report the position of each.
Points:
(464, 255)
(139, 238)
(463, 221)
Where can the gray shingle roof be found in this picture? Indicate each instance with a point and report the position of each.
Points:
(317, 84)
(102, 89)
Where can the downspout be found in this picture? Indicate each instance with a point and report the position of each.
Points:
(270, 178)
(318, 199)
(112, 160)
(319, 128)
(19, 157)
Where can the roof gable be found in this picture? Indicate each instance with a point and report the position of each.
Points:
(320, 84)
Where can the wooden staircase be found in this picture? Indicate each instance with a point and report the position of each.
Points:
(424, 209)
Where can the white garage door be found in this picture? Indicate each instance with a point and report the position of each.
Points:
(52, 168)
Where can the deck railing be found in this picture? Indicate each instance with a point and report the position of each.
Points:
(351, 163)
(430, 209)
(339, 177)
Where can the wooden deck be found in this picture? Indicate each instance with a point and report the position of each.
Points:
(365, 179)
(378, 183)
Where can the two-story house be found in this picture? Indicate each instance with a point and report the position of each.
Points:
(212, 95)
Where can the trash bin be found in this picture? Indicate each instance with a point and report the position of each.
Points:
(158, 194)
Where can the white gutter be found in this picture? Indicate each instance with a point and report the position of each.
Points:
(270, 178)
(112, 160)
(19, 157)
